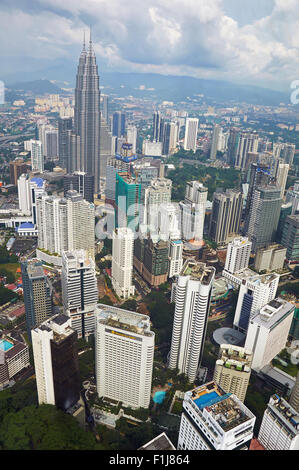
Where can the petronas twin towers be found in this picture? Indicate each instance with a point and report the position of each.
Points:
(87, 120)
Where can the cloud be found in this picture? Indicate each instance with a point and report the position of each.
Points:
(194, 37)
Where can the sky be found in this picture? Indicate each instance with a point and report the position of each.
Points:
(245, 41)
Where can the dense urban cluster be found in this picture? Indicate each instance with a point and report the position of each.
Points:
(149, 267)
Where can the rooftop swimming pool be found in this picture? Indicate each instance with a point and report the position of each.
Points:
(5, 345)
(202, 401)
(159, 397)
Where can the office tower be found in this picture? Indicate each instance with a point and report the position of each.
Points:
(28, 191)
(127, 200)
(237, 255)
(268, 331)
(122, 262)
(37, 291)
(193, 210)
(175, 257)
(190, 139)
(80, 182)
(14, 357)
(124, 356)
(119, 124)
(287, 153)
(170, 137)
(146, 171)
(270, 259)
(258, 175)
(286, 209)
(233, 369)
(51, 139)
(105, 152)
(280, 426)
(56, 363)
(42, 130)
(192, 294)
(132, 137)
(65, 126)
(37, 158)
(157, 126)
(214, 420)
(255, 292)
(292, 196)
(226, 215)
(214, 144)
(232, 145)
(87, 117)
(65, 224)
(16, 169)
(248, 142)
(264, 216)
(79, 291)
(159, 192)
(155, 261)
(105, 108)
(281, 176)
(294, 398)
(290, 237)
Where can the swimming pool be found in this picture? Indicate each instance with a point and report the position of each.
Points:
(159, 397)
(202, 401)
(5, 345)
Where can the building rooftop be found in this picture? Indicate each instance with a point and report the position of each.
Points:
(223, 407)
(161, 442)
(235, 357)
(286, 411)
(273, 313)
(198, 271)
(124, 319)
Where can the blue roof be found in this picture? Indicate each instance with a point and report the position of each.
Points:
(26, 225)
(38, 181)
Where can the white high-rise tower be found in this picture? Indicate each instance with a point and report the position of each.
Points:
(191, 134)
(122, 262)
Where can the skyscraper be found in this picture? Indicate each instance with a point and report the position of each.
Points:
(237, 255)
(87, 118)
(294, 398)
(37, 294)
(79, 291)
(80, 182)
(233, 369)
(191, 134)
(290, 237)
(118, 124)
(226, 215)
(248, 142)
(192, 294)
(56, 362)
(214, 420)
(280, 426)
(65, 127)
(214, 144)
(122, 262)
(193, 210)
(37, 158)
(124, 356)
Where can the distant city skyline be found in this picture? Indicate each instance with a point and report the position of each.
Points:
(256, 44)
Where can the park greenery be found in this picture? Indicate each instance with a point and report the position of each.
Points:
(212, 178)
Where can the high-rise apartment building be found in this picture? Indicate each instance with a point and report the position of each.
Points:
(155, 261)
(37, 158)
(79, 291)
(268, 331)
(124, 356)
(191, 293)
(214, 420)
(226, 215)
(290, 237)
(14, 358)
(122, 262)
(56, 363)
(193, 211)
(233, 369)
(281, 171)
(191, 134)
(37, 294)
(248, 142)
(280, 426)
(237, 255)
(175, 257)
(270, 258)
(158, 193)
(65, 224)
(254, 293)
